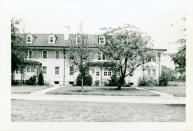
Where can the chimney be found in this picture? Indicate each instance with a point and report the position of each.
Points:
(66, 32)
(80, 28)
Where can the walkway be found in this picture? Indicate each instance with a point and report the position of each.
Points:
(91, 98)
(44, 91)
(164, 98)
(162, 94)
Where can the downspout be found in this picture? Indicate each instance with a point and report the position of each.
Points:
(64, 68)
(159, 55)
(101, 74)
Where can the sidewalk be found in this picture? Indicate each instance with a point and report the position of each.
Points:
(91, 98)
(162, 94)
(43, 91)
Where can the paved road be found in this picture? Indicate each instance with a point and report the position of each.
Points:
(91, 98)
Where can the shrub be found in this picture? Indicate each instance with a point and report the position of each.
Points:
(15, 82)
(113, 81)
(182, 78)
(41, 79)
(31, 81)
(164, 78)
(87, 81)
(147, 81)
(143, 82)
(96, 83)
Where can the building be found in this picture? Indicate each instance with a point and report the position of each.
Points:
(50, 50)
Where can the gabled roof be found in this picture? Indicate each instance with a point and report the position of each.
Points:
(42, 40)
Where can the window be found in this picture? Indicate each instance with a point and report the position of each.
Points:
(109, 73)
(57, 70)
(57, 54)
(93, 70)
(44, 70)
(29, 39)
(32, 69)
(149, 59)
(104, 57)
(105, 73)
(28, 68)
(149, 71)
(56, 82)
(44, 54)
(101, 40)
(51, 39)
(154, 58)
(154, 72)
(71, 82)
(30, 53)
(97, 73)
(99, 56)
(71, 57)
(78, 39)
(71, 70)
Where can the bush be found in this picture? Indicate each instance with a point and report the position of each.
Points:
(143, 82)
(41, 79)
(31, 81)
(87, 81)
(164, 78)
(96, 83)
(113, 81)
(15, 82)
(182, 78)
(147, 81)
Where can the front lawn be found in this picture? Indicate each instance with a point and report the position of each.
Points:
(26, 89)
(105, 91)
(65, 111)
(176, 91)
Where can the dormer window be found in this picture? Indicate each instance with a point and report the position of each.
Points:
(101, 40)
(78, 39)
(29, 39)
(51, 39)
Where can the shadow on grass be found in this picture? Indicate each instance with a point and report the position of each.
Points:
(177, 105)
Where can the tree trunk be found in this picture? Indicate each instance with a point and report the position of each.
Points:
(120, 82)
(82, 85)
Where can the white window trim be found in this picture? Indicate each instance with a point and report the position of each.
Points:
(110, 73)
(45, 70)
(57, 67)
(28, 54)
(97, 72)
(71, 71)
(101, 56)
(54, 39)
(43, 54)
(105, 72)
(100, 41)
(77, 36)
(27, 38)
(58, 54)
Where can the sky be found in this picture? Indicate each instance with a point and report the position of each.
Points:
(161, 20)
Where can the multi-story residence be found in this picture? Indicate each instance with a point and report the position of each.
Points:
(50, 51)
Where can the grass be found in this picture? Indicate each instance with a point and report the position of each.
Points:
(26, 89)
(177, 89)
(105, 91)
(63, 111)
